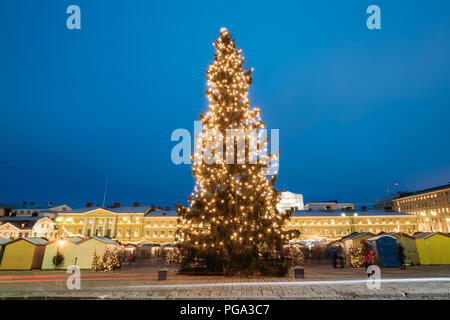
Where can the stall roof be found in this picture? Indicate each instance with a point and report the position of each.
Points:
(104, 239)
(357, 235)
(4, 241)
(424, 235)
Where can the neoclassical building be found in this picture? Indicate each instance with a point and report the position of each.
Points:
(129, 224)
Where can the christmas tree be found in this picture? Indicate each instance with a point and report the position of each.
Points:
(231, 223)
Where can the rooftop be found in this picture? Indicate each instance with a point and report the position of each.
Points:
(424, 235)
(104, 239)
(162, 214)
(35, 240)
(443, 187)
(338, 213)
(126, 209)
(356, 235)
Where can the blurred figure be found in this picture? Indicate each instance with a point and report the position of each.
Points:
(333, 254)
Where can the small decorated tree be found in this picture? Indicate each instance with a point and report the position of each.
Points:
(173, 257)
(362, 255)
(111, 260)
(58, 259)
(356, 255)
(97, 263)
(368, 254)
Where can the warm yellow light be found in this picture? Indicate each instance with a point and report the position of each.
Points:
(61, 242)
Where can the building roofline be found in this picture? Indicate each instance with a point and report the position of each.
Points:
(424, 191)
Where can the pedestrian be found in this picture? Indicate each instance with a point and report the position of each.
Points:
(340, 256)
(333, 255)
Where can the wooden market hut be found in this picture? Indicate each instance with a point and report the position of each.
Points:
(3, 242)
(77, 251)
(67, 248)
(87, 248)
(409, 244)
(23, 254)
(433, 247)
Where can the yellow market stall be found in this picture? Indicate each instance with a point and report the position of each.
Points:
(433, 247)
(23, 254)
(77, 251)
(3, 242)
(66, 247)
(85, 250)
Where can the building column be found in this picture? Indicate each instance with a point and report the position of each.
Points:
(105, 226)
(93, 227)
(113, 228)
(85, 227)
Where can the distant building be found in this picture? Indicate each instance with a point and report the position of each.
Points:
(18, 227)
(431, 206)
(320, 225)
(28, 209)
(290, 200)
(329, 205)
(387, 203)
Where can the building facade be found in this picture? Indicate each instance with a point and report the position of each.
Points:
(329, 205)
(31, 209)
(18, 227)
(141, 225)
(318, 225)
(431, 206)
(289, 200)
(135, 224)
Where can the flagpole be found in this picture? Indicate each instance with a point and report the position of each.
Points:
(106, 188)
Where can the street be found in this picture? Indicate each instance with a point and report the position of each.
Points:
(320, 282)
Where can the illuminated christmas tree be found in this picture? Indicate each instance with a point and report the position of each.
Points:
(232, 223)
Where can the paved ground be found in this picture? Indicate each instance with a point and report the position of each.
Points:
(321, 282)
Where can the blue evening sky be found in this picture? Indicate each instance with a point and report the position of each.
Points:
(358, 110)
